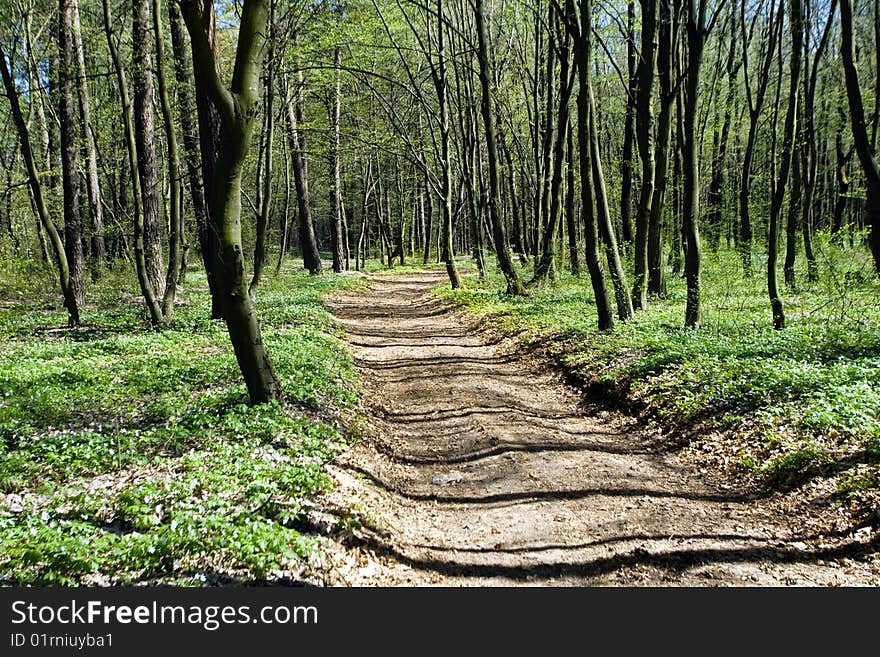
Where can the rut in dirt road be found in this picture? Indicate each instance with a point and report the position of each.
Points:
(484, 470)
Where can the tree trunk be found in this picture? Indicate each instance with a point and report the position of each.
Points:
(93, 188)
(696, 35)
(441, 85)
(337, 250)
(499, 232)
(429, 219)
(557, 163)
(308, 243)
(69, 149)
(629, 126)
(175, 255)
(668, 37)
(145, 141)
(810, 152)
(756, 104)
(188, 122)
(583, 46)
(645, 140)
(796, 24)
(570, 219)
(794, 214)
(235, 108)
(147, 289)
(861, 141)
(266, 195)
(67, 290)
(603, 219)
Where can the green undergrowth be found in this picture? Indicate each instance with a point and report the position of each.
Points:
(130, 454)
(792, 405)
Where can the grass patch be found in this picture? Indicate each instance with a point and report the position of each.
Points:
(788, 402)
(129, 453)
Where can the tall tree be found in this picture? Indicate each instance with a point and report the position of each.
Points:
(265, 192)
(645, 141)
(146, 284)
(579, 20)
(67, 120)
(797, 39)
(190, 129)
(810, 153)
(756, 83)
(236, 106)
(499, 233)
(858, 124)
(294, 108)
(175, 227)
(697, 32)
(337, 236)
(67, 290)
(93, 187)
(143, 45)
(629, 126)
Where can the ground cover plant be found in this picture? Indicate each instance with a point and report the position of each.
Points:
(129, 454)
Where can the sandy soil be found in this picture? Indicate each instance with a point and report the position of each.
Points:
(482, 468)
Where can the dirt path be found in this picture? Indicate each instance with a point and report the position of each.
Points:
(483, 470)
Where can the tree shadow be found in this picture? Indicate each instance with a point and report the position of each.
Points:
(540, 495)
(674, 561)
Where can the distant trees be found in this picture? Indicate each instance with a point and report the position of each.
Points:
(436, 129)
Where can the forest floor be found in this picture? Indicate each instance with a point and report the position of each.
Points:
(481, 466)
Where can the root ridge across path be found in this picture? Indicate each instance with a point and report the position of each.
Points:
(482, 469)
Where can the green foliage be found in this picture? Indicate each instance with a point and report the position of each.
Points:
(129, 454)
(792, 400)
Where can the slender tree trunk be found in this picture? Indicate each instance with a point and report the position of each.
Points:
(190, 128)
(336, 250)
(147, 289)
(268, 166)
(441, 85)
(718, 180)
(696, 35)
(603, 220)
(96, 210)
(36, 188)
(756, 104)
(861, 141)
(429, 217)
(175, 253)
(308, 243)
(796, 24)
(794, 213)
(557, 163)
(67, 120)
(499, 232)
(570, 218)
(645, 140)
(284, 219)
(810, 150)
(516, 208)
(582, 53)
(145, 140)
(668, 37)
(629, 126)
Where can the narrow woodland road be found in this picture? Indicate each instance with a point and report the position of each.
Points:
(484, 470)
